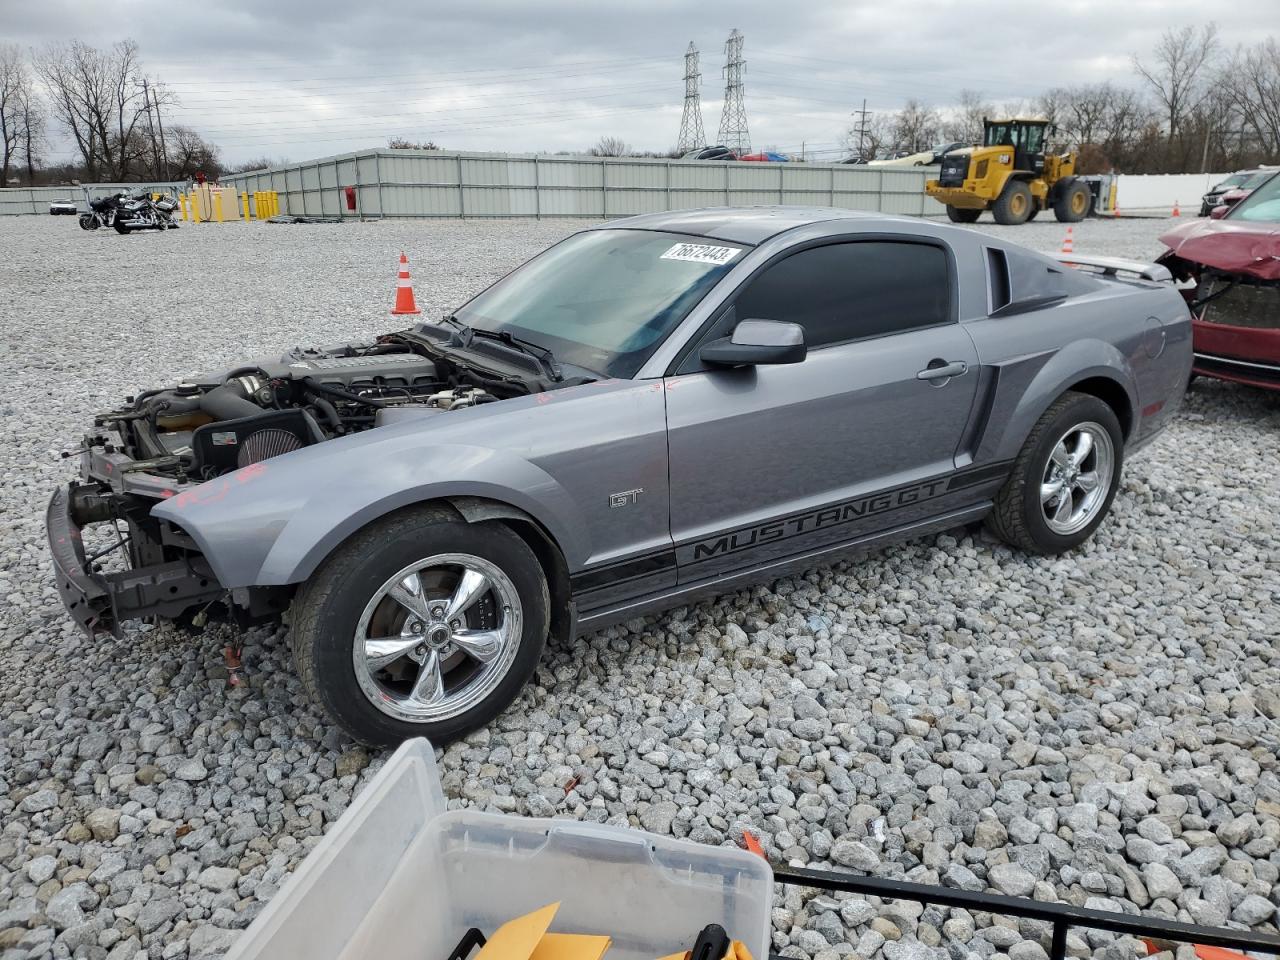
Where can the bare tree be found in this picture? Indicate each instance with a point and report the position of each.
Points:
(964, 122)
(915, 127)
(1252, 82)
(402, 143)
(12, 81)
(189, 153)
(97, 95)
(870, 141)
(1178, 70)
(611, 147)
(32, 128)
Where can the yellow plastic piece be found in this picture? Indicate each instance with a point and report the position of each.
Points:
(217, 206)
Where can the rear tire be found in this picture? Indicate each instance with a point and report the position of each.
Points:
(1030, 510)
(120, 227)
(1014, 204)
(418, 678)
(1073, 202)
(962, 214)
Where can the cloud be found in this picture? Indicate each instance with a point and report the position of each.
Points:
(308, 78)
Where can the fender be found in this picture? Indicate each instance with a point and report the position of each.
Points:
(272, 523)
(1026, 386)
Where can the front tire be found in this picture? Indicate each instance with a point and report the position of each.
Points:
(421, 625)
(1014, 205)
(1064, 478)
(1073, 202)
(88, 221)
(963, 214)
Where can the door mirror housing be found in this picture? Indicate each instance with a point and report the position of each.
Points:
(1218, 212)
(756, 343)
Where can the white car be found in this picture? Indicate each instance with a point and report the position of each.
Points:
(926, 158)
(63, 206)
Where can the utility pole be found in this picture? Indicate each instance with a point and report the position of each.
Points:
(161, 156)
(860, 128)
(691, 135)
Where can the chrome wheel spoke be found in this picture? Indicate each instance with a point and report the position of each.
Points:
(1060, 456)
(471, 587)
(408, 593)
(382, 651)
(1049, 490)
(483, 645)
(1084, 446)
(1063, 513)
(429, 687)
(1088, 482)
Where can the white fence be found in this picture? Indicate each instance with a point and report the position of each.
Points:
(1160, 191)
(419, 183)
(15, 200)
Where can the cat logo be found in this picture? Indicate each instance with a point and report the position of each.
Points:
(625, 498)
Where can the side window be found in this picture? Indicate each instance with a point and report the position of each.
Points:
(848, 291)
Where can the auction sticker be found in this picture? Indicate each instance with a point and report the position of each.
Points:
(701, 253)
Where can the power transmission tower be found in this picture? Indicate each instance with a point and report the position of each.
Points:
(691, 135)
(861, 127)
(733, 120)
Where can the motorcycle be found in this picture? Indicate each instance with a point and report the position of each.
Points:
(139, 212)
(102, 212)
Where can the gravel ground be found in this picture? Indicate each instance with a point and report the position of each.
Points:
(1101, 728)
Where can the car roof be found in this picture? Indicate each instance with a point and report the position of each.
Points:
(749, 225)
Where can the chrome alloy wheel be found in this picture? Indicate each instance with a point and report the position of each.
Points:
(1077, 478)
(437, 637)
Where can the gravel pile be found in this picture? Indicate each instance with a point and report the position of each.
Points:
(1101, 728)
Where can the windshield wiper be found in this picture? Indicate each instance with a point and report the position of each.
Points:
(540, 353)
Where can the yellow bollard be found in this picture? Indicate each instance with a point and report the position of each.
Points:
(217, 206)
(182, 204)
(244, 203)
(195, 206)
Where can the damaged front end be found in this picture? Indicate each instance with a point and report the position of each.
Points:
(1231, 277)
(116, 561)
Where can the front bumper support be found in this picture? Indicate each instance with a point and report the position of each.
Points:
(103, 601)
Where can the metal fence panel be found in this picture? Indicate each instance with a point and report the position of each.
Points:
(418, 183)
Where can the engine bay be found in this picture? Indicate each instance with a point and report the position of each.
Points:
(205, 426)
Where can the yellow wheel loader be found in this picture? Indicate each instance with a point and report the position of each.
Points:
(1012, 175)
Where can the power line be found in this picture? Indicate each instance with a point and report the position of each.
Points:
(733, 118)
(691, 135)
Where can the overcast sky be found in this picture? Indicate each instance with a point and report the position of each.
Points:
(307, 78)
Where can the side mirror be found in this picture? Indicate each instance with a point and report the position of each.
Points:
(1218, 212)
(757, 342)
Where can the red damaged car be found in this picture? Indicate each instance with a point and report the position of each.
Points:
(1234, 260)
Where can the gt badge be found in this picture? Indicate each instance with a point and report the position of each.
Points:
(625, 498)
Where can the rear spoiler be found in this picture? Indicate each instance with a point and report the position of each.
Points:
(1111, 266)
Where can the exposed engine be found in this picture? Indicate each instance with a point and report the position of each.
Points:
(210, 425)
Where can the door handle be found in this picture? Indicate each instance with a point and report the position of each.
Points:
(942, 370)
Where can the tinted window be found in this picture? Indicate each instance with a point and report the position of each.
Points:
(847, 291)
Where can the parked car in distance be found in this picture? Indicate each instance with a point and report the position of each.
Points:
(651, 410)
(765, 156)
(1254, 179)
(1235, 302)
(859, 160)
(709, 153)
(1213, 197)
(925, 158)
(63, 207)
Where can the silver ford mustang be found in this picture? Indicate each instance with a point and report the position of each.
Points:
(649, 410)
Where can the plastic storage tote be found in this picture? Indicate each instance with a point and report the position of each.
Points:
(399, 877)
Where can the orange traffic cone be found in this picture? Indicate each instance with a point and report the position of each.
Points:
(404, 290)
(1068, 242)
(1176, 211)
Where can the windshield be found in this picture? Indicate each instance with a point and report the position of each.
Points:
(1257, 179)
(1232, 181)
(606, 299)
(1261, 206)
